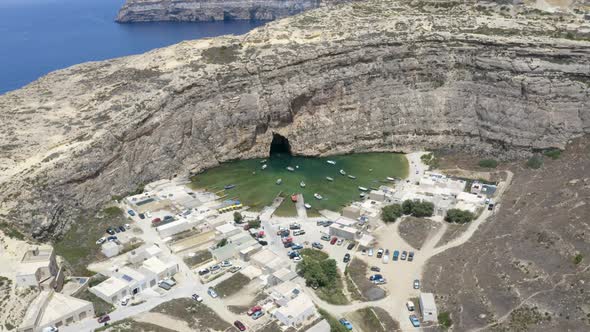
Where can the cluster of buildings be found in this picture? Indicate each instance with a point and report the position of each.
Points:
(38, 268)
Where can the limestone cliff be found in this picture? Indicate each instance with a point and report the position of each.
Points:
(213, 10)
(376, 76)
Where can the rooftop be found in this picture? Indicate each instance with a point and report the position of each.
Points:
(264, 256)
(110, 287)
(225, 228)
(51, 306)
(286, 289)
(427, 302)
(155, 265)
(297, 306)
(38, 254)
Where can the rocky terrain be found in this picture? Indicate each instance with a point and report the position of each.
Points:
(370, 76)
(214, 10)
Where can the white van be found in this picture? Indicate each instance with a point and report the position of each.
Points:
(385, 259)
(410, 306)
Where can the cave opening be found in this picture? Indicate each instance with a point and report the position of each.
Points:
(279, 145)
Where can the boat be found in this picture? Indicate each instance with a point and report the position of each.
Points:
(352, 177)
(297, 166)
(363, 188)
(229, 186)
(307, 206)
(329, 178)
(342, 172)
(279, 181)
(317, 196)
(362, 195)
(390, 178)
(331, 162)
(294, 198)
(264, 166)
(263, 161)
(290, 169)
(302, 184)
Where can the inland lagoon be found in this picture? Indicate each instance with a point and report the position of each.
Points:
(254, 181)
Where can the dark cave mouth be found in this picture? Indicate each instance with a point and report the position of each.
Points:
(279, 145)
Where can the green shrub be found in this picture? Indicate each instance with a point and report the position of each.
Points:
(222, 243)
(430, 160)
(419, 209)
(488, 163)
(390, 213)
(459, 216)
(407, 206)
(238, 218)
(534, 162)
(444, 319)
(553, 153)
(254, 223)
(578, 259)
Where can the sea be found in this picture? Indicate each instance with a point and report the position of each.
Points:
(40, 36)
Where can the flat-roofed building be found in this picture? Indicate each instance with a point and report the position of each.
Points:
(110, 249)
(142, 253)
(111, 290)
(282, 275)
(225, 231)
(342, 231)
(173, 228)
(37, 268)
(160, 269)
(54, 309)
(136, 281)
(352, 212)
(297, 312)
(428, 307)
(377, 195)
(284, 292)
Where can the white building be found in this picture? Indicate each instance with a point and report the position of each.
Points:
(342, 231)
(136, 281)
(110, 249)
(226, 230)
(54, 309)
(297, 312)
(173, 228)
(352, 212)
(160, 269)
(428, 307)
(282, 275)
(377, 195)
(285, 292)
(145, 252)
(111, 290)
(37, 268)
(267, 261)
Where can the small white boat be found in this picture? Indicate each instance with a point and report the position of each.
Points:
(331, 162)
(264, 166)
(297, 166)
(352, 177)
(390, 178)
(302, 184)
(342, 172)
(307, 206)
(263, 161)
(279, 181)
(290, 169)
(317, 196)
(329, 178)
(363, 189)
(362, 195)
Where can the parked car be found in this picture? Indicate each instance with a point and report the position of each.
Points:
(125, 301)
(325, 237)
(380, 253)
(254, 310)
(212, 292)
(411, 256)
(415, 321)
(364, 252)
(110, 231)
(346, 323)
(333, 241)
(298, 232)
(156, 221)
(168, 218)
(490, 207)
(395, 255)
(327, 223)
(112, 238)
(141, 216)
(385, 259)
(131, 212)
(148, 214)
(204, 271)
(370, 253)
(375, 269)
(346, 258)
(197, 298)
(293, 253)
(257, 314)
(122, 228)
(127, 226)
(234, 269)
(240, 325)
(339, 242)
(375, 277)
(225, 263)
(263, 243)
(297, 258)
(104, 319)
(404, 255)
(410, 306)
(295, 226)
(50, 329)
(215, 268)
(387, 252)
(296, 246)
(317, 245)
(101, 240)
(416, 284)
(320, 223)
(350, 246)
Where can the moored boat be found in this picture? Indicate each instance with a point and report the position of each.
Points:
(229, 186)
(390, 179)
(363, 188)
(329, 178)
(317, 196)
(331, 162)
(307, 206)
(294, 198)
(352, 177)
(362, 195)
(264, 166)
(263, 161)
(342, 172)
(302, 184)
(279, 181)
(290, 169)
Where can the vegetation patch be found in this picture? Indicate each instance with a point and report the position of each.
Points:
(488, 163)
(221, 55)
(129, 325)
(198, 258)
(321, 273)
(417, 208)
(534, 162)
(231, 285)
(444, 319)
(11, 231)
(553, 153)
(430, 160)
(357, 272)
(375, 320)
(459, 216)
(578, 259)
(390, 213)
(197, 315)
(335, 325)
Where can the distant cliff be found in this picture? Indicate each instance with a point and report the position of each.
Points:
(213, 10)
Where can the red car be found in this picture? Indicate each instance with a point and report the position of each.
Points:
(334, 239)
(240, 325)
(156, 221)
(253, 310)
(104, 319)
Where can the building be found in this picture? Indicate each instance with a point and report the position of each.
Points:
(342, 231)
(158, 268)
(280, 276)
(428, 307)
(225, 231)
(38, 268)
(297, 312)
(145, 252)
(173, 228)
(321, 326)
(377, 195)
(54, 309)
(110, 249)
(267, 261)
(285, 292)
(111, 290)
(136, 281)
(352, 212)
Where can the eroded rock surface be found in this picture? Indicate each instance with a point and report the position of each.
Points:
(371, 76)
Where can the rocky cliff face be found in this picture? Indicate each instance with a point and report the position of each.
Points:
(213, 10)
(377, 76)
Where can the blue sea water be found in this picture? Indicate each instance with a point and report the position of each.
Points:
(40, 36)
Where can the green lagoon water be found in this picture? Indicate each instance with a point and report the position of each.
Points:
(257, 188)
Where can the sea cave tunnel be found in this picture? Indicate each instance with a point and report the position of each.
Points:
(279, 145)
